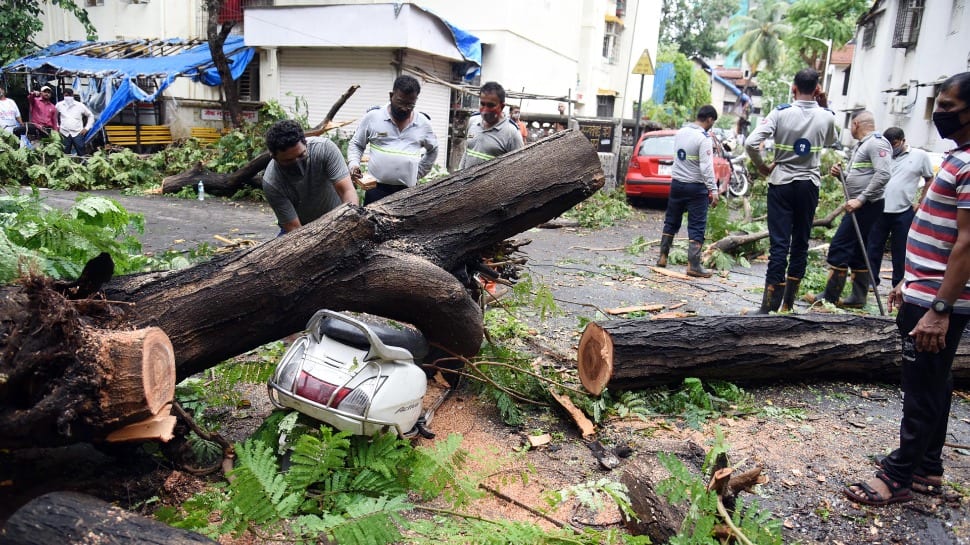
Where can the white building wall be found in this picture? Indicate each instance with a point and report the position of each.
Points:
(942, 50)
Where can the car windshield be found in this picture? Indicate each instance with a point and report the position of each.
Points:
(657, 145)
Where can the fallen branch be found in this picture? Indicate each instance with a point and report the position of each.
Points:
(733, 242)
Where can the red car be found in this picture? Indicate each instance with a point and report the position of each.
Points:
(648, 175)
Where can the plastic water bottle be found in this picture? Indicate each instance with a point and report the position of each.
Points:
(201, 191)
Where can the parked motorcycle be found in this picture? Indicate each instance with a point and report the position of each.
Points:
(740, 182)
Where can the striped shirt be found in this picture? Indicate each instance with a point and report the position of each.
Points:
(486, 144)
(934, 232)
(694, 157)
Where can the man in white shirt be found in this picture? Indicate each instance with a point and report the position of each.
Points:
(909, 165)
(74, 127)
(9, 113)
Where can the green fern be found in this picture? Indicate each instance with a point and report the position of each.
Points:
(434, 471)
(260, 494)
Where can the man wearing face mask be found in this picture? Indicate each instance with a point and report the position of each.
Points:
(9, 113)
(516, 114)
(75, 122)
(934, 309)
(909, 165)
(490, 133)
(306, 177)
(403, 146)
(866, 177)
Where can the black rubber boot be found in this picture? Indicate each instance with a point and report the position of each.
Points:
(791, 292)
(833, 288)
(771, 299)
(694, 267)
(860, 290)
(666, 241)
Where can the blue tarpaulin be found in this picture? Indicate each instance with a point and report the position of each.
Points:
(663, 74)
(119, 75)
(467, 43)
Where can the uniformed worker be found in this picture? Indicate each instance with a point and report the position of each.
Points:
(403, 146)
(868, 172)
(490, 133)
(693, 189)
(800, 131)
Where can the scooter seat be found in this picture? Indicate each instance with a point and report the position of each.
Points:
(409, 339)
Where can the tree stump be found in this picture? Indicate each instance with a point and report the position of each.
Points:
(637, 354)
(69, 518)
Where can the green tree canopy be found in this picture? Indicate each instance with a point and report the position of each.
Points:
(20, 21)
(690, 88)
(694, 27)
(761, 34)
(813, 21)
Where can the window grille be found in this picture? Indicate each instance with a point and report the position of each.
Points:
(93, 3)
(908, 20)
(611, 42)
(869, 34)
(604, 105)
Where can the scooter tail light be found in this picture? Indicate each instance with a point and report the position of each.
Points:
(314, 389)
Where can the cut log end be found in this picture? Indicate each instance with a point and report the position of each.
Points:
(158, 369)
(595, 359)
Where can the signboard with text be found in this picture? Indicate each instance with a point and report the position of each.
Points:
(216, 114)
(599, 134)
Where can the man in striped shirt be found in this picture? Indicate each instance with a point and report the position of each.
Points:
(934, 309)
(490, 133)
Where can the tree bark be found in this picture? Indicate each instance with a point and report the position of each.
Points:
(226, 184)
(70, 518)
(216, 36)
(390, 259)
(637, 354)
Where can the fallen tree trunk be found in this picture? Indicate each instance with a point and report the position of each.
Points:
(66, 382)
(69, 518)
(637, 354)
(226, 184)
(390, 259)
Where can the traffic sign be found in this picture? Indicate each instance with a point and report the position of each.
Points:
(644, 65)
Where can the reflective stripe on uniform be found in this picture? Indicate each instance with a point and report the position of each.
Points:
(394, 151)
(479, 155)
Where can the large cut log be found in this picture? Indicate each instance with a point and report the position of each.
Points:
(637, 354)
(389, 259)
(69, 518)
(226, 184)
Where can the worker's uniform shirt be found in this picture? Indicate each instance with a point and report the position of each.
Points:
(909, 167)
(305, 190)
(694, 157)
(800, 130)
(934, 232)
(397, 157)
(484, 144)
(9, 113)
(870, 168)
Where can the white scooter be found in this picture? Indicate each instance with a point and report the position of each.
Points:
(357, 377)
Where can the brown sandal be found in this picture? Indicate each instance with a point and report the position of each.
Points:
(870, 496)
(931, 485)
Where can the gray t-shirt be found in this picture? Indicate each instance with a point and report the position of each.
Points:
(909, 167)
(306, 190)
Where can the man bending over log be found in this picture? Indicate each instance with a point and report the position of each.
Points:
(306, 177)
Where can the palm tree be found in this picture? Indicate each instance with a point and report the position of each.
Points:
(761, 34)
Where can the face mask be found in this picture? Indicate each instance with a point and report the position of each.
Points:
(399, 114)
(898, 149)
(948, 123)
(69, 100)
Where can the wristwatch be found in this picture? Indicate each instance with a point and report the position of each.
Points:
(941, 306)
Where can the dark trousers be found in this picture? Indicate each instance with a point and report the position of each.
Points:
(75, 143)
(32, 130)
(380, 191)
(690, 198)
(890, 226)
(844, 250)
(927, 394)
(791, 210)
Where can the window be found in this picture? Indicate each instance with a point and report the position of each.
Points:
(604, 105)
(908, 20)
(869, 34)
(611, 42)
(92, 3)
(845, 81)
(248, 82)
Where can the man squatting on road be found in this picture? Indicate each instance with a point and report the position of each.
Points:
(306, 178)
(490, 134)
(870, 167)
(934, 311)
(800, 130)
(693, 189)
(402, 145)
